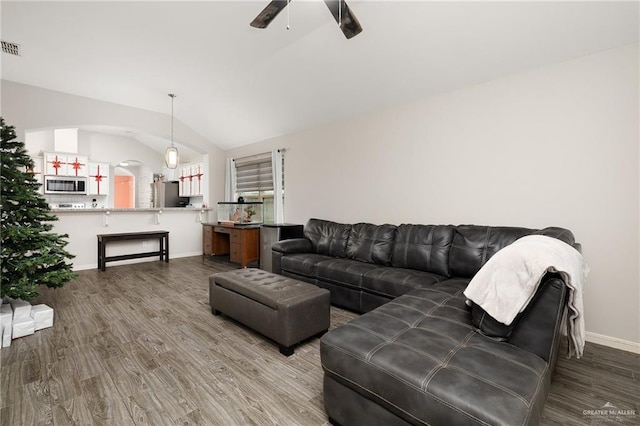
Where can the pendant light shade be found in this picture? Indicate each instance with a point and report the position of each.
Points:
(171, 156)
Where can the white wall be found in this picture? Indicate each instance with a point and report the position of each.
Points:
(554, 146)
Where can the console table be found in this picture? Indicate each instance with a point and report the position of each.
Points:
(241, 243)
(103, 239)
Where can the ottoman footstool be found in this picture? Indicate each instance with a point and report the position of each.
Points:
(285, 310)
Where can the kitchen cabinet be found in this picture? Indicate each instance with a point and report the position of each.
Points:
(61, 164)
(98, 178)
(37, 172)
(191, 179)
(184, 189)
(197, 180)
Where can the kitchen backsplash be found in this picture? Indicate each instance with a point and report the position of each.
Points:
(87, 200)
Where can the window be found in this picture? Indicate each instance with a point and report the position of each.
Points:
(254, 181)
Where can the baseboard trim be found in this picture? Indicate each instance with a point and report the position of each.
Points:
(612, 342)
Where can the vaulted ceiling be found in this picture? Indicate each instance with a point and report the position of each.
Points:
(237, 84)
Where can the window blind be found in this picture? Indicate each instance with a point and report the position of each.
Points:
(255, 173)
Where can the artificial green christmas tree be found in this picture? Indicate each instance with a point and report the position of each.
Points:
(30, 255)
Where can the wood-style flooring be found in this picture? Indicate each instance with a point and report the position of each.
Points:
(137, 344)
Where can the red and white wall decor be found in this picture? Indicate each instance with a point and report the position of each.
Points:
(191, 179)
(58, 164)
(98, 178)
(37, 171)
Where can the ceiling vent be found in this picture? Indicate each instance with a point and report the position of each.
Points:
(11, 48)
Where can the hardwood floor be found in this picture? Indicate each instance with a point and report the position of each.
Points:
(138, 344)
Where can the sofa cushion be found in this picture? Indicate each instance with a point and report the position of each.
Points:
(419, 357)
(328, 238)
(423, 247)
(344, 272)
(392, 282)
(473, 245)
(371, 243)
(304, 264)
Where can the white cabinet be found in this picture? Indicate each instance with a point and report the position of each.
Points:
(59, 164)
(191, 179)
(98, 178)
(77, 165)
(197, 180)
(55, 164)
(36, 171)
(184, 188)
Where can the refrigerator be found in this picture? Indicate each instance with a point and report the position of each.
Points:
(165, 194)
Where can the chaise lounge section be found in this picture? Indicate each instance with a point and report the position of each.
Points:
(419, 354)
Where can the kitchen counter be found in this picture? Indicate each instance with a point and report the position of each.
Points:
(83, 225)
(129, 210)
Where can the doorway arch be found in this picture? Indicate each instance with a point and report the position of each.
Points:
(124, 188)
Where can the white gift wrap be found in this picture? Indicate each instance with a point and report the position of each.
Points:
(23, 327)
(6, 335)
(21, 309)
(6, 314)
(6, 324)
(42, 316)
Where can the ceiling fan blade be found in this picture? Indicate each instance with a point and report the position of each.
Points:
(349, 25)
(269, 13)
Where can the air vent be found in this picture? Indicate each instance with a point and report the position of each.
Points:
(11, 48)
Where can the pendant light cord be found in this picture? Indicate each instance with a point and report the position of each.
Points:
(172, 96)
(288, 9)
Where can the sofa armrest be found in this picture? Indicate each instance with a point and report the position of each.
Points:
(540, 327)
(285, 247)
(295, 245)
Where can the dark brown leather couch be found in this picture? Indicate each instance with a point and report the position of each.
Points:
(420, 354)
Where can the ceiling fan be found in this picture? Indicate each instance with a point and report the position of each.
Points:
(344, 17)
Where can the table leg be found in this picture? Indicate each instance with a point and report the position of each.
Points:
(102, 252)
(166, 245)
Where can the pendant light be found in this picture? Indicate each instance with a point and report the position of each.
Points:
(171, 156)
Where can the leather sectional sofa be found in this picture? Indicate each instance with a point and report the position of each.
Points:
(419, 354)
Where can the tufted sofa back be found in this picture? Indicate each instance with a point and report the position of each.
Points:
(451, 251)
(424, 248)
(329, 238)
(473, 245)
(371, 243)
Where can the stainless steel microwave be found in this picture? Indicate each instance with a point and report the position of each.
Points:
(65, 185)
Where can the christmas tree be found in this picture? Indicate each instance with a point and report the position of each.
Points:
(30, 255)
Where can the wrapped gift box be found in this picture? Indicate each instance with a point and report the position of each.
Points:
(6, 324)
(23, 327)
(6, 314)
(21, 309)
(6, 336)
(42, 316)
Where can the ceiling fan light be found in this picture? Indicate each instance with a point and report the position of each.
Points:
(171, 157)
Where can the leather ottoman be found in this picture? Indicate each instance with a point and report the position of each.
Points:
(283, 309)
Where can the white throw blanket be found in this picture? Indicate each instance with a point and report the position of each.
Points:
(505, 285)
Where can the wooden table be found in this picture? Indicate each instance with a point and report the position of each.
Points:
(241, 243)
(103, 239)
